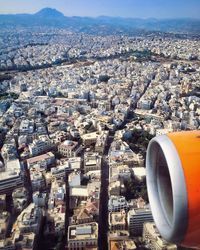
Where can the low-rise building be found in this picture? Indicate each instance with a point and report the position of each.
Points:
(57, 194)
(116, 187)
(69, 148)
(117, 236)
(122, 244)
(30, 220)
(117, 203)
(59, 172)
(55, 224)
(83, 236)
(153, 240)
(75, 163)
(87, 211)
(74, 179)
(40, 145)
(26, 127)
(20, 199)
(92, 161)
(43, 161)
(117, 220)
(78, 193)
(122, 172)
(90, 138)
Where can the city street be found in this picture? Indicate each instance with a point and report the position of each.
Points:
(103, 209)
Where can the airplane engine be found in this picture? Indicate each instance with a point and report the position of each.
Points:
(173, 183)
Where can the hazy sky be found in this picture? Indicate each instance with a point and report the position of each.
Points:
(126, 8)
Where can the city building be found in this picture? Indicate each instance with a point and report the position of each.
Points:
(43, 161)
(92, 161)
(153, 240)
(69, 148)
(117, 220)
(11, 177)
(40, 145)
(55, 224)
(89, 138)
(37, 180)
(59, 172)
(136, 218)
(117, 203)
(20, 199)
(83, 236)
(123, 244)
(30, 220)
(101, 142)
(86, 212)
(74, 179)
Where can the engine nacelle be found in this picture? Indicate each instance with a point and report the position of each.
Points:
(173, 183)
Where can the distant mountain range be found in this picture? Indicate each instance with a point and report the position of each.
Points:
(55, 19)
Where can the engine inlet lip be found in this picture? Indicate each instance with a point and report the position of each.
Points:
(173, 230)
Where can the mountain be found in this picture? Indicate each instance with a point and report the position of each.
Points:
(49, 13)
(52, 18)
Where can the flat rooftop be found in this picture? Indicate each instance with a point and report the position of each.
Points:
(83, 232)
(12, 170)
(40, 158)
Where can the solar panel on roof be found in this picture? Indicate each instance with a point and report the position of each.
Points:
(84, 230)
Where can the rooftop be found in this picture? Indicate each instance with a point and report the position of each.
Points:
(12, 170)
(83, 232)
(40, 158)
(117, 218)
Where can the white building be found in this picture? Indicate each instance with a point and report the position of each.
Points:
(59, 172)
(74, 179)
(11, 177)
(40, 145)
(117, 203)
(82, 236)
(136, 218)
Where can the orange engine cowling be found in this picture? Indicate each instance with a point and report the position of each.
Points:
(173, 183)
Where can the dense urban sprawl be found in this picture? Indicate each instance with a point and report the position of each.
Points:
(76, 114)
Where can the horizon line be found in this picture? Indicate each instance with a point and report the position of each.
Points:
(101, 15)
